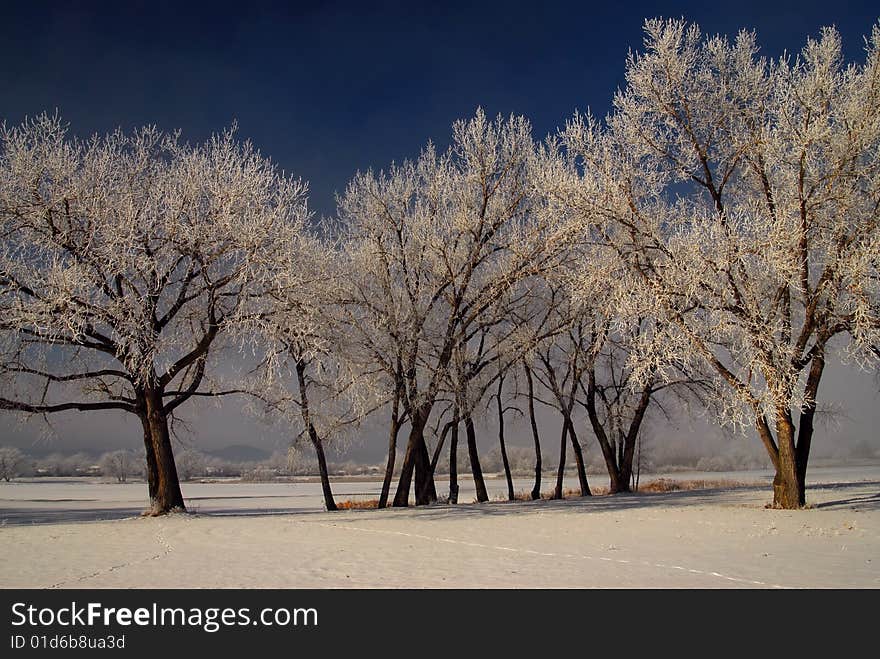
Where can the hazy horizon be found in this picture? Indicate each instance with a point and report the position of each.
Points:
(852, 393)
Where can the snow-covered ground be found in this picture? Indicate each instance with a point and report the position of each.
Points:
(242, 535)
(54, 500)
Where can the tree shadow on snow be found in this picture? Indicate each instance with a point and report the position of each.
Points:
(861, 502)
(740, 496)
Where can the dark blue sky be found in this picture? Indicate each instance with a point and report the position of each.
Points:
(336, 87)
(328, 88)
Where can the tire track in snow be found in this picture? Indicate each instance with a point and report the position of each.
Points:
(585, 557)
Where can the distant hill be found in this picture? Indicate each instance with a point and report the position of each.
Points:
(240, 453)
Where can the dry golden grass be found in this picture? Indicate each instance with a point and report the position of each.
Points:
(522, 495)
(566, 493)
(357, 504)
(670, 485)
(575, 492)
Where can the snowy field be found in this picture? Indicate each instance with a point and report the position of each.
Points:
(75, 533)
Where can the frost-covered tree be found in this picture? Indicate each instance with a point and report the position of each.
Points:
(447, 236)
(464, 388)
(480, 362)
(126, 265)
(377, 324)
(617, 404)
(487, 356)
(191, 463)
(118, 464)
(512, 330)
(11, 462)
(310, 355)
(599, 352)
(560, 365)
(742, 195)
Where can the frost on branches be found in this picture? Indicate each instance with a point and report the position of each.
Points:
(310, 374)
(127, 264)
(438, 243)
(742, 195)
(715, 238)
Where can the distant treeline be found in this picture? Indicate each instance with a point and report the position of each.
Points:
(124, 466)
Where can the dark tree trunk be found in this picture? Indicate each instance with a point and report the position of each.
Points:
(392, 450)
(608, 453)
(322, 467)
(313, 435)
(453, 462)
(579, 459)
(167, 496)
(473, 454)
(638, 470)
(510, 494)
(622, 480)
(614, 483)
(426, 492)
(619, 465)
(766, 435)
(401, 496)
(624, 476)
(389, 465)
(629, 445)
(536, 489)
(805, 430)
(786, 489)
(149, 456)
(416, 463)
(439, 448)
(560, 470)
